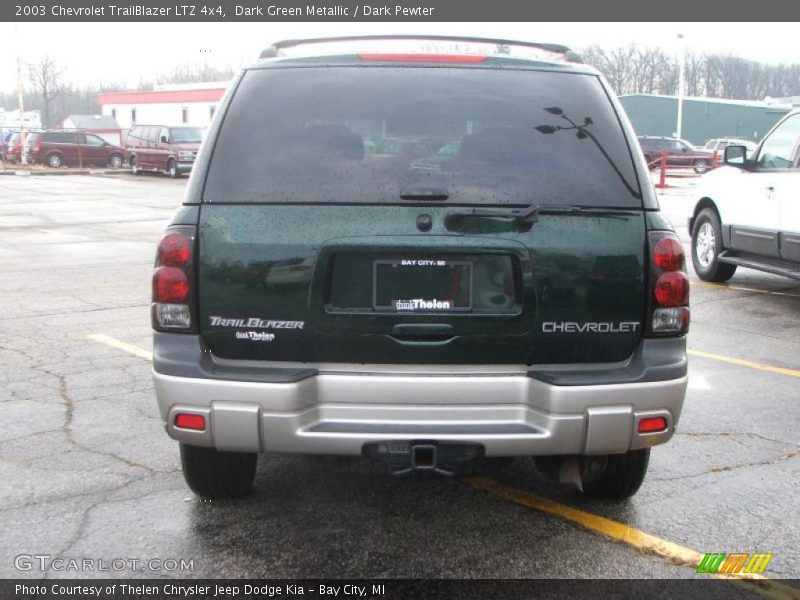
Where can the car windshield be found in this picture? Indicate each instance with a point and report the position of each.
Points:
(186, 135)
(500, 137)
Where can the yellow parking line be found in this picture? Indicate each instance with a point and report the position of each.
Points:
(619, 532)
(115, 343)
(738, 288)
(745, 363)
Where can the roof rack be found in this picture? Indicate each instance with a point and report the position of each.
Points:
(274, 50)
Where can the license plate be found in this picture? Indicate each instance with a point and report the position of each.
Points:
(415, 285)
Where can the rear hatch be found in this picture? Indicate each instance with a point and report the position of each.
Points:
(315, 247)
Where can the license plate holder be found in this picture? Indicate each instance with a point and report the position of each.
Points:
(413, 285)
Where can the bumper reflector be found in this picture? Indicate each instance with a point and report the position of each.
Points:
(652, 425)
(186, 421)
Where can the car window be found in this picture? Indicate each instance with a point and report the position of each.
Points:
(152, 134)
(294, 135)
(778, 151)
(93, 140)
(186, 135)
(163, 135)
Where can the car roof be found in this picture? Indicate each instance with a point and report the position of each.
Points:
(386, 50)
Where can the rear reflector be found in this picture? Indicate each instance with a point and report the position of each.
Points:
(196, 422)
(652, 425)
(428, 58)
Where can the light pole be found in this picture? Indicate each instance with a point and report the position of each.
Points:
(681, 84)
(23, 159)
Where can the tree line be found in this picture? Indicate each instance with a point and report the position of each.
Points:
(48, 89)
(634, 69)
(630, 69)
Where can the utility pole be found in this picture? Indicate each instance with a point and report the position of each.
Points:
(20, 100)
(681, 84)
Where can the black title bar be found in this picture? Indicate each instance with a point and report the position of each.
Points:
(198, 11)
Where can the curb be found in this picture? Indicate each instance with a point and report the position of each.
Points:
(65, 172)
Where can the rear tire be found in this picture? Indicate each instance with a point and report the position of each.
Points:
(116, 161)
(135, 170)
(55, 160)
(611, 477)
(622, 477)
(700, 166)
(211, 473)
(706, 247)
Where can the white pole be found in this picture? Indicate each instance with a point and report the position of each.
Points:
(23, 158)
(681, 84)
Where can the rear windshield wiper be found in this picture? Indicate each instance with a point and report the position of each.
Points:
(529, 214)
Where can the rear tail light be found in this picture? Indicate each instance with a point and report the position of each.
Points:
(669, 286)
(173, 279)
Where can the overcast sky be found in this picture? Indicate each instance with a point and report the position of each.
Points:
(129, 52)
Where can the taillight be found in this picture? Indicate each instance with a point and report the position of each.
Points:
(170, 284)
(173, 296)
(672, 289)
(669, 296)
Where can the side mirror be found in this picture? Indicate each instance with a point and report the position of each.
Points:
(735, 156)
(164, 139)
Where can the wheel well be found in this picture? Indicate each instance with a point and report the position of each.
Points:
(131, 158)
(703, 204)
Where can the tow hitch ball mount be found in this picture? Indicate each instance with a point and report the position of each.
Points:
(423, 459)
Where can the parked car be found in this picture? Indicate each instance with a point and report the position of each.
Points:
(680, 153)
(163, 149)
(747, 212)
(73, 148)
(516, 304)
(30, 141)
(719, 145)
(13, 151)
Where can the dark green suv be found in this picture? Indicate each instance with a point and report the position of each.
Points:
(524, 298)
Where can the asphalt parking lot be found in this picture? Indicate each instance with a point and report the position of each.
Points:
(88, 471)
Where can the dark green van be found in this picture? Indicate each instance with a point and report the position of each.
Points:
(423, 259)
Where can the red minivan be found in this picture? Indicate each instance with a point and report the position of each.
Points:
(59, 148)
(163, 149)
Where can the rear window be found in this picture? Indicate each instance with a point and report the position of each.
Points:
(369, 134)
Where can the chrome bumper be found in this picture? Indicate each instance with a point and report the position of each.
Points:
(337, 413)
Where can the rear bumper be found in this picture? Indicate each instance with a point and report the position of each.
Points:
(337, 412)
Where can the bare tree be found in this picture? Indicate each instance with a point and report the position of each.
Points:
(46, 78)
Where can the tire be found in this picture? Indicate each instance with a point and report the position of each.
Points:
(135, 170)
(622, 477)
(700, 166)
(211, 473)
(706, 247)
(115, 161)
(172, 169)
(55, 160)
